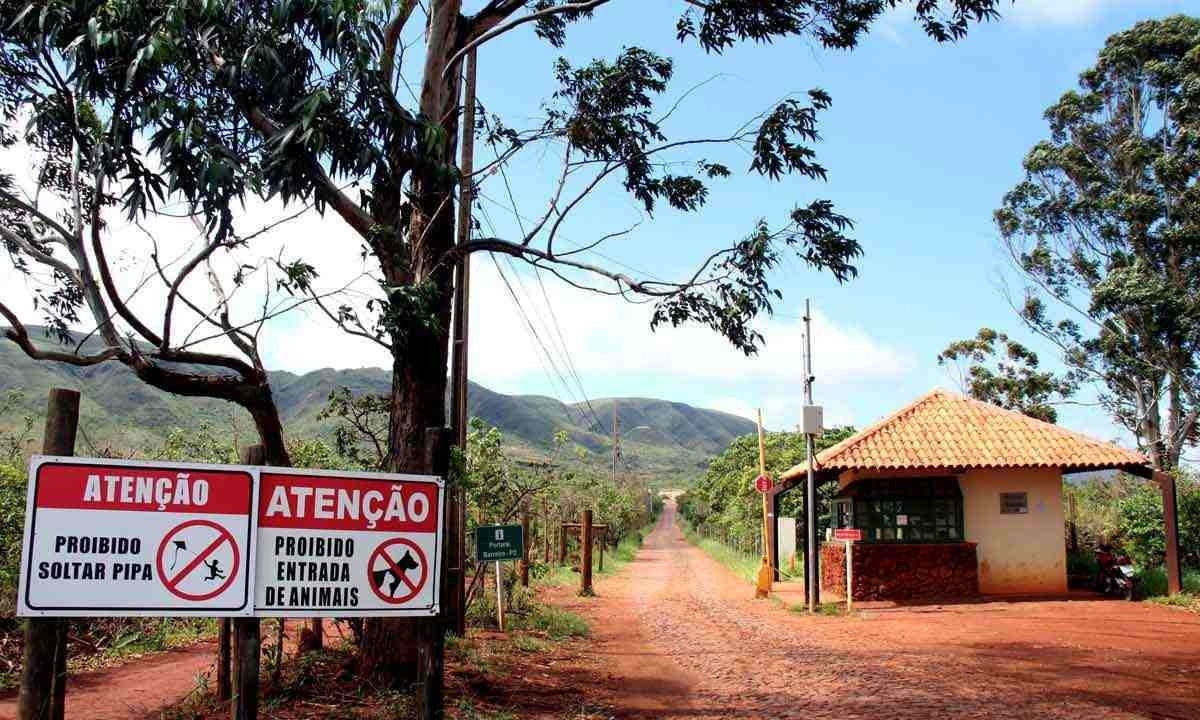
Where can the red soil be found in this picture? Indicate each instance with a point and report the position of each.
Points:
(675, 635)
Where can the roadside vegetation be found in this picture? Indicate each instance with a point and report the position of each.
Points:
(725, 510)
(498, 486)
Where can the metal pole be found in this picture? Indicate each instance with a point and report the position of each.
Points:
(499, 597)
(811, 577)
(849, 576)
(44, 669)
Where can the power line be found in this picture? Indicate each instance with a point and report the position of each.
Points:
(552, 371)
(562, 348)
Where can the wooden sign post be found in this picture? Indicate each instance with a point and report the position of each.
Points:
(763, 485)
(44, 669)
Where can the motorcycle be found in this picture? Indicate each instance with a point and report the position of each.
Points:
(1116, 575)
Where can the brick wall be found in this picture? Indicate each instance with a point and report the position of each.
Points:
(901, 571)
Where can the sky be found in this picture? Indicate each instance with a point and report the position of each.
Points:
(921, 143)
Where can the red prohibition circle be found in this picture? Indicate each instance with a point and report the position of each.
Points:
(223, 536)
(414, 588)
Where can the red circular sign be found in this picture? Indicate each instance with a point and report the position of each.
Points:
(762, 483)
(397, 568)
(198, 558)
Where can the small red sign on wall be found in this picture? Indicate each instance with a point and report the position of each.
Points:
(850, 534)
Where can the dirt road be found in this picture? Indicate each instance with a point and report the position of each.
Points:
(139, 689)
(678, 636)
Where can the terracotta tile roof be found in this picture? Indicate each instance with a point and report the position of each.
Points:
(944, 430)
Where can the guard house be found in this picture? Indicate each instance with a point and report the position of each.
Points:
(957, 497)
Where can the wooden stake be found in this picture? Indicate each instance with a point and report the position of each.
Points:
(431, 632)
(224, 645)
(247, 636)
(585, 554)
(603, 540)
(42, 694)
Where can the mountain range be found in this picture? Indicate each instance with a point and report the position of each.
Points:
(667, 440)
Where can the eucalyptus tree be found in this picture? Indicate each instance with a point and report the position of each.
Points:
(67, 146)
(307, 101)
(1106, 230)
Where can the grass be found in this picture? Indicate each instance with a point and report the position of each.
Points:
(555, 575)
(553, 622)
(744, 565)
(1153, 582)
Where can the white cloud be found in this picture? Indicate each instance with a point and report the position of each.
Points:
(610, 339)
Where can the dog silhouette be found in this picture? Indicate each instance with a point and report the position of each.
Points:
(405, 564)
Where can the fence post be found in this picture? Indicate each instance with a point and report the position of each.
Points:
(545, 532)
(585, 554)
(525, 544)
(224, 642)
(44, 670)
(247, 639)
(562, 545)
(603, 540)
(431, 632)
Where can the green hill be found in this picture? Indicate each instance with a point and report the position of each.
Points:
(666, 440)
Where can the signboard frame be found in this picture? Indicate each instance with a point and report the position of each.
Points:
(848, 534)
(27, 609)
(432, 575)
(482, 530)
(249, 552)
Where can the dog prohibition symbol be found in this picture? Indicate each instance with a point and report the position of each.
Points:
(405, 564)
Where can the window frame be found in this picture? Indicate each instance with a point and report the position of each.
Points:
(885, 509)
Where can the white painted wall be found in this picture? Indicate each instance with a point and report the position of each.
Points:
(1017, 553)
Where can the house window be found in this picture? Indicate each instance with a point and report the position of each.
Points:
(1014, 503)
(903, 509)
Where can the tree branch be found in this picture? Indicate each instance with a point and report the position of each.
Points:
(484, 31)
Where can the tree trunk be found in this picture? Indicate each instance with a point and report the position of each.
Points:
(420, 330)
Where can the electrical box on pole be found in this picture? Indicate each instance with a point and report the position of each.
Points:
(812, 420)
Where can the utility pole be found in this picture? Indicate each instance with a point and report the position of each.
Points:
(616, 432)
(456, 565)
(812, 576)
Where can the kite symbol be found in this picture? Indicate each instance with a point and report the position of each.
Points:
(180, 546)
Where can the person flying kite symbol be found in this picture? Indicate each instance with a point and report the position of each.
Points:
(214, 570)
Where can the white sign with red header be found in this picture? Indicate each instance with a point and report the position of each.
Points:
(347, 544)
(122, 537)
(848, 534)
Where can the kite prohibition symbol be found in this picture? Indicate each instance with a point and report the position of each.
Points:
(206, 571)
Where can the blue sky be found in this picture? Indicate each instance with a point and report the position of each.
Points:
(921, 144)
